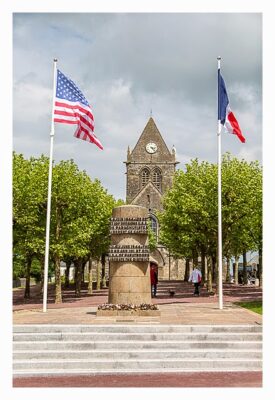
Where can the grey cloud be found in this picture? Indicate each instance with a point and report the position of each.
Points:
(128, 64)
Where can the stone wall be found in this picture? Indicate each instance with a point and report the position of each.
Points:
(169, 268)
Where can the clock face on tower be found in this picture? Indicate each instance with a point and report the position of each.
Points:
(151, 147)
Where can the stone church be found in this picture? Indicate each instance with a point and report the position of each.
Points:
(150, 168)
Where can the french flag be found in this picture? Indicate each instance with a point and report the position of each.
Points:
(225, 115)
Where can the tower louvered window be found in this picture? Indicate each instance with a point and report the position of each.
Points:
(154, 225)
(144, 177)
(157, 178)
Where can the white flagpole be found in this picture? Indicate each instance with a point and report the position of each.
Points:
(219, 199)
(47, 245)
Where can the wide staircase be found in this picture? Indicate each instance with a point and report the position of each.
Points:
(96, 349)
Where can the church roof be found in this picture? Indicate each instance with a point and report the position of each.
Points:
(149, 188)
(151, 134)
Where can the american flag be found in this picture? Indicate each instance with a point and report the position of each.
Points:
(71, 107)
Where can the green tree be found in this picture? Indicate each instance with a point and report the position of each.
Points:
(188, 225)
(189, 221)
(80, 214)
(241, 207)
(80, 220)
(29, 193)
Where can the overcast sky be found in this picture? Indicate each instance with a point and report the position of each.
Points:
(127, 65)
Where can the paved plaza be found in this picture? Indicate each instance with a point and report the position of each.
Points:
(183, 308)
(179, 313)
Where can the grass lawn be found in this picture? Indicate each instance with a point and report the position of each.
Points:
(255, 306)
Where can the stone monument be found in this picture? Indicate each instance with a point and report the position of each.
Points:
(129, 275)
(129, 272)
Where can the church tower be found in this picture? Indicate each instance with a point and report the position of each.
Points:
(150, 169)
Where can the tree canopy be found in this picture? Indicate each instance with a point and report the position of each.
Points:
(189, 221)
(80, 212)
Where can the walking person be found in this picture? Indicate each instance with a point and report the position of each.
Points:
(195, 278)
(154, 278)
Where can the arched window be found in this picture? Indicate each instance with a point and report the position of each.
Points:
(157, 178)
(144, 176)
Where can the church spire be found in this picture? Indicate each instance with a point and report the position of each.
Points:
(128, 153)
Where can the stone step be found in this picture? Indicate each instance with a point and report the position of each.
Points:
(139, 354)
(100, 349)
(133, 345)
(117, 371)
(169, 336)
(95, 365)
(137, 328)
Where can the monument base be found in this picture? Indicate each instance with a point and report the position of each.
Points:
(127, 313)
(127, 310)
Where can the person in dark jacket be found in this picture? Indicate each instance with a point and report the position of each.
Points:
(154, 278)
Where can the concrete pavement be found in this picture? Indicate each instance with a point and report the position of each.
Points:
(183, 308)
(173, 313)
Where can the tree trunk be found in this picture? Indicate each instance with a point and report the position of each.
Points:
(244, 268)
(58, 290)
(195, 259)
(209, 275)
(203, 266)
(215, 274)
(75, 275)
(27, 293)
(98, 275)
(187, 270)
(78, 264)
(260, 267)
(215, 269)
(103, 259)
(83, 270)
(67, 274)
(236, 270)
(227, 279)
(90, 278)
(42, 261)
